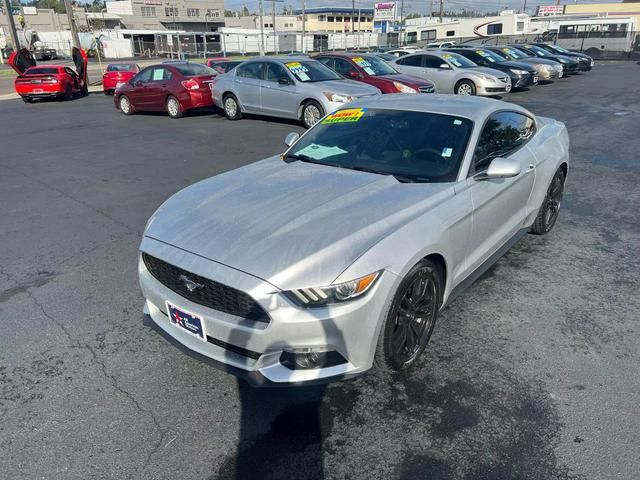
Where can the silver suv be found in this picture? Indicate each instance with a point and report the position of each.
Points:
(453, 73)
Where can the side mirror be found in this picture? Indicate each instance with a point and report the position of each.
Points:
(291, 139)
(284, 81)
(500, 168)
(444, 66)
(353, 74)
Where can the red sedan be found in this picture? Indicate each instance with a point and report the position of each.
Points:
(49, 81)
(374, 71)
(117, 74)
(172, 87)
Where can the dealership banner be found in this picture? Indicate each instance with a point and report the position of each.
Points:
(547, 10)
(384, 11)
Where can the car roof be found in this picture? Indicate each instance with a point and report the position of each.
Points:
(473, 108)
(345, 54)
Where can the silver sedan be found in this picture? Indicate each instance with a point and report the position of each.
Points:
(453, 73)
(339, 254)
(293, 87)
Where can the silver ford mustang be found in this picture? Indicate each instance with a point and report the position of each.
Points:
(338, 255)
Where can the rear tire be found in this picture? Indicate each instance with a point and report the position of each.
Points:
(411, 317)
(84, 91)
(174, 109)
(68, 93)
(550, 208)
(125, 105)
(27, 99)
(231, 107)
(465, 87)
(312, 112)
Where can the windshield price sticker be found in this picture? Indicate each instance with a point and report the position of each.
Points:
(361, 62)
(348, 115)
(298, 70)
(452, 59)
(484, 54)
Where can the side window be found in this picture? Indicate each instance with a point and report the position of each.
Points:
(275, 72)
(411, 61)
(432, 62)
(343, 67)
(327, 61)
(160, 74)
(250, 70)
(502, 134)
(144, 76)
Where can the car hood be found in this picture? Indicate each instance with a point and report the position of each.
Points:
(347, 87)
(292, 224)
(516, 64)
(539, 61)
(408, 79)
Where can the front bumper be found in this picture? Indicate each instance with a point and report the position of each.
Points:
(253, 349)
(488, 88)
(524, 81)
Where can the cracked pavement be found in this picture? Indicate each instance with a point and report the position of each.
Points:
(531, 373)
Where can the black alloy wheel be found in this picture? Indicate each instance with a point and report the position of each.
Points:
(548, 213)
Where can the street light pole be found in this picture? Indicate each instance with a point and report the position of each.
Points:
(72, 24)
(261, 28)
(12, 25)
(304, 25)
(273, 11)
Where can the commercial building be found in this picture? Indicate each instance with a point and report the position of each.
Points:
(338, 19)
(284, 23)
(610, 10)
(186, 15)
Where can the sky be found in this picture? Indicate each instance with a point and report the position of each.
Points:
(410, 6)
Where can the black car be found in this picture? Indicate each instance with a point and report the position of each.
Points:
(570, 65)
(522, 75)
(586, 62)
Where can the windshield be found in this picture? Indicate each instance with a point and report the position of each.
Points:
(540, 51)
(386, 56)
(42, 71)
(311, 71)
(512, 52)
(411, 146)
(374, 66)
(122, 67)
(458, 60)
(558, 49)
(193, 69)
(490, 56)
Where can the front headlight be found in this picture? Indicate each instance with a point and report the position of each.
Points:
(562, 60)
(484, 77)
(402, 88)
(518, 72)
(341, 292)
(337, 97)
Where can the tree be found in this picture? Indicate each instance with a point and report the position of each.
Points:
(97, 6)
(245, 11)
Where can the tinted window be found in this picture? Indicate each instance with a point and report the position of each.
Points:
(326, 61)
(413, 146)
(250, 70)
(502, 134)
(193, 69)
(432, 62)
(275, 72)
(42, 71)
(144, 76)
(343, 67)
(411, 61)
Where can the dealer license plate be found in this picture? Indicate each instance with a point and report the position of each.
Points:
(186, 321)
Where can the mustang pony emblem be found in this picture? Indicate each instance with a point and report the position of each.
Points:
(190, 284)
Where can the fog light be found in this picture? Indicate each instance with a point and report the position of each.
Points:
(310, 358)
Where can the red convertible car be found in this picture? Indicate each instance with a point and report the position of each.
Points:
(49, 81)
(374, 71)
(117, 74)
(175, 88)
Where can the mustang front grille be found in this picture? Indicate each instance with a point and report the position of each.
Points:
(205, 292)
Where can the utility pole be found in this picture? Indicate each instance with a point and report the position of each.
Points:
(275, 45)
(441, 10)
(261, 28)
(12, 25)
(353, 11)
(431, 9)
(304, 25)
(72, 24)
(524, 8)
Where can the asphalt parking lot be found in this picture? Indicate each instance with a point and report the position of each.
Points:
(531, 374)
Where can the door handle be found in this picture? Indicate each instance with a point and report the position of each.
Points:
(530, 168)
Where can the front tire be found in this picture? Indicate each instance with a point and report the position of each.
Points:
(410, 319)
(174, 109)
(231, 107)
(548, 213)
(125, 105)
(465, 87)
(312, 112)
